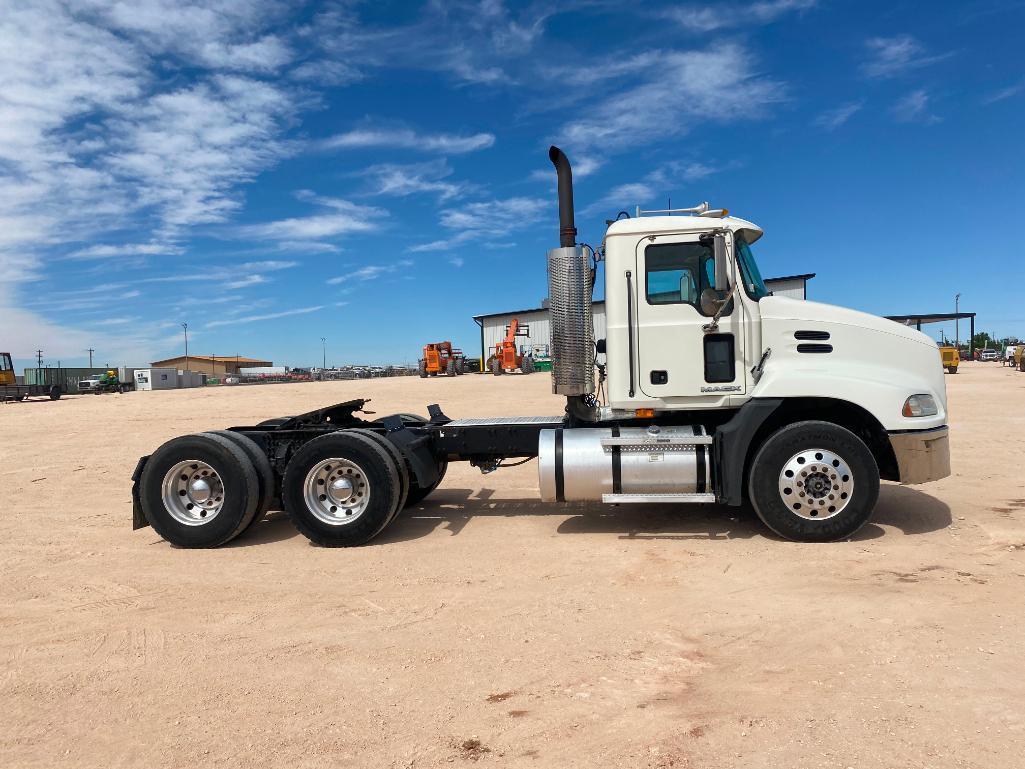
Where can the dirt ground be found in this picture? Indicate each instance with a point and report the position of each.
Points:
(484, 626)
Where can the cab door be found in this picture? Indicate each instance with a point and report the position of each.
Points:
(677, 358)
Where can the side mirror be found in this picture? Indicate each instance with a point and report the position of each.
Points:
(721, 267)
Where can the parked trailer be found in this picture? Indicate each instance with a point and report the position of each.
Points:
(10, 390)
(716, 392)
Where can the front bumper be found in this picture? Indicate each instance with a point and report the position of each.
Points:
(922, 455)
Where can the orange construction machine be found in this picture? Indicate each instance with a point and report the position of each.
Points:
(506, 358)
(440, 358)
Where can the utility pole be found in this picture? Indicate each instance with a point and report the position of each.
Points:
(957, 324)
(39, 358)
(323, 345)
(186, 327)
(90, 351)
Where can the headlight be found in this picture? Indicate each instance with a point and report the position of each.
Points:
(919, 406)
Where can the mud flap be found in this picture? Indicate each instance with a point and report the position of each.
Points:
(138, 518)
(416, 450)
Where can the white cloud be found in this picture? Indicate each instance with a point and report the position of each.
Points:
(833, 118)
(248, 280)
(914, 108)
(126, 249)
(457, 261)
(685, 89)
(1005, 93)
(407, 138)
(706, 18)
(892, 56)
(99, 136)
(218, 34)
(398, 180)
(370, 272)
(266, 316)
(485, 220)
(622, 197)
(343, 218)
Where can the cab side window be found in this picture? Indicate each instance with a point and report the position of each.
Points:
(677, 273)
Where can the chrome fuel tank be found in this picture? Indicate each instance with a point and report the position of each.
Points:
(582, 464)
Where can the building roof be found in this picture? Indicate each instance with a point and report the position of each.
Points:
(935, 317)
(240, 359)
(806, 276)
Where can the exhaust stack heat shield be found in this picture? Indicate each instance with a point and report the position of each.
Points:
(569, 298)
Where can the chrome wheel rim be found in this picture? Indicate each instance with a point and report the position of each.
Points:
(192, 492)
(336, 491)
(816, 484)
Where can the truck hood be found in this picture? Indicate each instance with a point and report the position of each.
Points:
(785, 308)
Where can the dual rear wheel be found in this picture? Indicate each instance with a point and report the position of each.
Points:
(204, 490)
(340, 489)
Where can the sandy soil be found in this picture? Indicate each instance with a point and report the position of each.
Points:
(485, 626)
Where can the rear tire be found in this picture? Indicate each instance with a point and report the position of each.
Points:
(397, 459)
(423, 369)
(951, 369)
(55, 393)
(450, 368)
(496, 367)
(199, 491)
(264, 472)
(337, 520)
(527, 367)
(814, 482)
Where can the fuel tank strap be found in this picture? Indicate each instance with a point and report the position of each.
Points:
(617, 465)
(560, 478)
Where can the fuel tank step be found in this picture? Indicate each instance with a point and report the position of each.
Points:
(616, 499)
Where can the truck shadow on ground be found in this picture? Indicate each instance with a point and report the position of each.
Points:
(901, 507)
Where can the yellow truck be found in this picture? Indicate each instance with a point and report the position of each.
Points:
(1019, 357)
(950, 358)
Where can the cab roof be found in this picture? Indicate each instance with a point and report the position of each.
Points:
(653, 225)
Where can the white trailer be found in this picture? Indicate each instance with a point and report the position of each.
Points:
(156, 378)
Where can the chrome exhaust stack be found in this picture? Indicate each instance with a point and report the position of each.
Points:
(570, 281)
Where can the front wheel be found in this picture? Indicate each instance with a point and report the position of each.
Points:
(814, 482)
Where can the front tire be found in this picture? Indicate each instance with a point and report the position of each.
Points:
(496, 367)
(527, 367)
(341, 489)
(814, 482)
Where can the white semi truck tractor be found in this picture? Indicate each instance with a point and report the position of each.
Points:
(716, 392)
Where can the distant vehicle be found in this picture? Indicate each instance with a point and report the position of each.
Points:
(950, 358)
(1019, 357)
(989, 354)
(1009, 354)
(108, 382)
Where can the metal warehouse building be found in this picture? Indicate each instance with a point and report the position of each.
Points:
(535, 328)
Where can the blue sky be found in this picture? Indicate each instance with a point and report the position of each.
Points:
(376, 173)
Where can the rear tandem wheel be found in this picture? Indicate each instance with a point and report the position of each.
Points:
(199, 491)
(341, 489)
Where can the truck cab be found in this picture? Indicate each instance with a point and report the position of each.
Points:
(677, 341)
